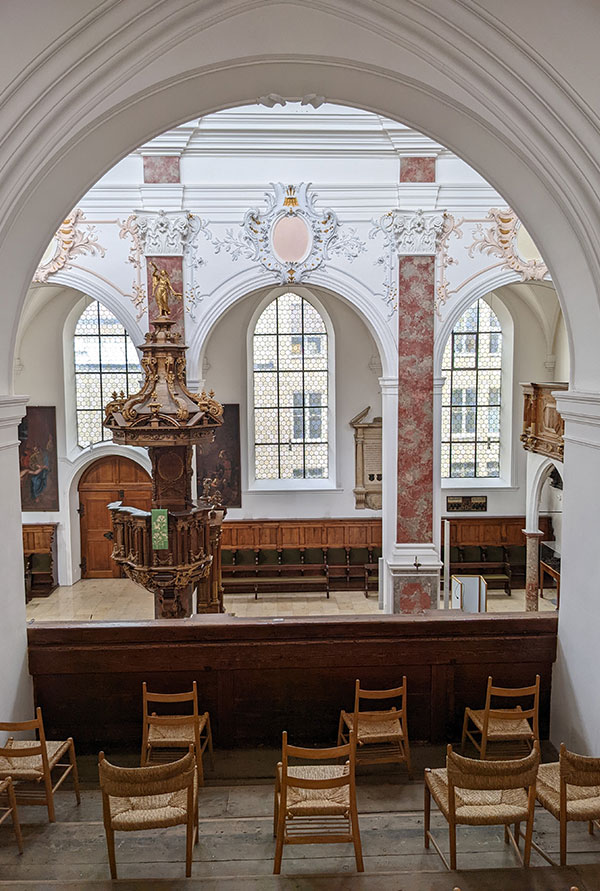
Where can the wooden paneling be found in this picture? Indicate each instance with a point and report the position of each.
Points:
(301, 533)
(258, 678)
(109, 479)
(492, 530)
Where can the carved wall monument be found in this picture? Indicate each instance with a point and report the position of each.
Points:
(168, 419)
(367, 445)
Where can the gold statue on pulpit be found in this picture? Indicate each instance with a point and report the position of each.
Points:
(162, 289)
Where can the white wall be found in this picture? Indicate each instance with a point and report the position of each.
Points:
(356, 387)
(561, 351)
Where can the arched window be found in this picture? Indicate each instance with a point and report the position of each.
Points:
(472, 368)
(290, 389)
(105, 361)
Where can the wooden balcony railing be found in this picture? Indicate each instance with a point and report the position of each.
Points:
(543, 427)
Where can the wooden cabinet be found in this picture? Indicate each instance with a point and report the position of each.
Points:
(39, 551)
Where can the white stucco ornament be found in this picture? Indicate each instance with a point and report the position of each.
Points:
(291, 236)
(164, 234)
(413, 233)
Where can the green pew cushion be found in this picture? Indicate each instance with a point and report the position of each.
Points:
(471, 554)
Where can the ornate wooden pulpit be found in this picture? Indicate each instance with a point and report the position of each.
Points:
(173, 550)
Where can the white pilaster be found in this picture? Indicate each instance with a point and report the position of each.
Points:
(389, 458)
(575, 716)
(15, 689)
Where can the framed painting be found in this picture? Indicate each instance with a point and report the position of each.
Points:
(220, 460)
(38, 464)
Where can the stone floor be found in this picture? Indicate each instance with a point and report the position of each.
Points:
(121, 599)
(235, 849)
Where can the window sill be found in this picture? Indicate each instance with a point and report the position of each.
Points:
(481, 483)
(273, 486)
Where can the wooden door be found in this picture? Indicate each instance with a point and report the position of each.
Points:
(108, 479)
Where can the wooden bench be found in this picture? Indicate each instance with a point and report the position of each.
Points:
(262, 570)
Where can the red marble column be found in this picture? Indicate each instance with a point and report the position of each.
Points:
(174, 267)
(417, 170)
(415, 589)
(416, 293)
(532, 570)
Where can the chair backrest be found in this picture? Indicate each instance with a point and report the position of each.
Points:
(191, 696)
(29, 751)
(472, 773)
(398, 693)
(508, 714)
(135, 782)
(578, 770)
(346, 751)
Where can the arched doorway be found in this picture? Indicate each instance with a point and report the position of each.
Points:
(112, 478)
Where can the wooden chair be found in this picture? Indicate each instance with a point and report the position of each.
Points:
(30, 763)
(503, 725)
(570, 790)
(155, 797)
(483, 793)
(10, 808)
(165, 732)
(381, 736)
(316, 803)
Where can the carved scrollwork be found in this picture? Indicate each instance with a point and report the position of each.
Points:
(500, 240)
(71, 240)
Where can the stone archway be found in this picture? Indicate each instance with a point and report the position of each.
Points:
(120, 73)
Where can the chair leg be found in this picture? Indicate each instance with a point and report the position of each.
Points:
(528, 837)
(360, 867)
(110, 844)
(452, 834)
(407, 756)
(189, 845)
(50, 799)
(12, 801)
(427, 814)
(563, 839)
(517, 833)
(210, 743)
(464, 732)
(506, 835)
(279, 842)
(75, 772)
(200, 766)
(591, 827)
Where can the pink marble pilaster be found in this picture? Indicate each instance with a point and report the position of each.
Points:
(174, 267)
(417, 170)
(532, 570)
(161, 169)
(416, 293)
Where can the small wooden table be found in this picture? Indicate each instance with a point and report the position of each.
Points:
(553, 573)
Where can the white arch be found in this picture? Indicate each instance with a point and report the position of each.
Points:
(70, 474)
(479, 286)
(341, 284)
(452, 80)
(535, 483)
(99, 289)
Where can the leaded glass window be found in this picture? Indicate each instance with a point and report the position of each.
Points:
(105, 361)
(472, 368)
(291, 384)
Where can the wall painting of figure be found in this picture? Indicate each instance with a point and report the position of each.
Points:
(38, 463)
(218, 463)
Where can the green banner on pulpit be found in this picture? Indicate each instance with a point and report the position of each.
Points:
(160, 530)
